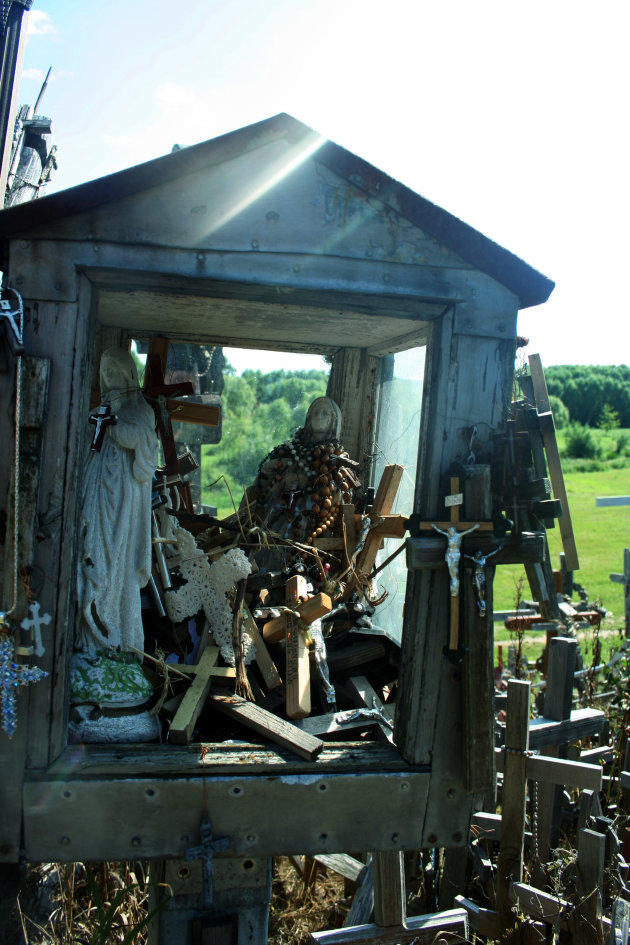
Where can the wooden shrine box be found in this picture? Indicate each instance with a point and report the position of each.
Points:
(272, 238)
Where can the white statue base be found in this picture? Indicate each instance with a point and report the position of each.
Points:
(102, 688)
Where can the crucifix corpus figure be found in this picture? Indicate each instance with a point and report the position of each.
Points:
(454, 552)
(479, 577)
(454, 532)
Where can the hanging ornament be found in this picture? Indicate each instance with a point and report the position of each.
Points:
(13, 675)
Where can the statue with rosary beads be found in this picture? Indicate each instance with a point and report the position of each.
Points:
(316, 473)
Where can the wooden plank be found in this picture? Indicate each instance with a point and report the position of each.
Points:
(181, 728)
(612, 500)
(590, 869)
(72, 327)
(185, 411)
(553, 460)
(360, 912)
(269, 725)
(429, 709)
(550, 770)
(557, 706)
(478, 685)
(539, 904)
(423, 929)
(390, 903)
(583, 722)
(344, 864)
(484, 921)
(510, 864)
(306, 810)
(352, 385)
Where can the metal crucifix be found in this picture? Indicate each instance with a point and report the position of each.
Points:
(454, 531)
(205, 852)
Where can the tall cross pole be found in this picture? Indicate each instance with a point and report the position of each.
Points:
(454, 530)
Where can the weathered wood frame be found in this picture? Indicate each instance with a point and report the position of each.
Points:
(149, 802)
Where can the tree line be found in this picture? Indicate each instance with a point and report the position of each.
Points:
(260, 410)
(592, 393)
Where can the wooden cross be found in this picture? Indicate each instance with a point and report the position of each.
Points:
(287, 625)
(101, 418)
(205, 852)
(384, 525)
(163, 398)
(183, 724)
(454, 530)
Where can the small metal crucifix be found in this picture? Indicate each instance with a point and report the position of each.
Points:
(205, 852)
(101, 418)
(454, 531)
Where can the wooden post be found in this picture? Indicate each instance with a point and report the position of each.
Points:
(625, 580)
(590, 864)
(298, 666)
(510, 865)
(557, 706)
(389, 889)
(553, 459)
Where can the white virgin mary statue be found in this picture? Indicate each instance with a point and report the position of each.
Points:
(114, 563)
(115, 531)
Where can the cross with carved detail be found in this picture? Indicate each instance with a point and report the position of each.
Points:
(454, 531)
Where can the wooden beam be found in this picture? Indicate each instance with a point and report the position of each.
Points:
(510, 864)
(423, 929)
(269, 725)
(553, 459)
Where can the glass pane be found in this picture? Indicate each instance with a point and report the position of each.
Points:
(397, 436)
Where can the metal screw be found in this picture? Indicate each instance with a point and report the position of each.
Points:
(65, 841)
(135, 841)
(457, 837)
(432, 838)
(395, 837)
(450, 793)
(255, 244)
(404, 786)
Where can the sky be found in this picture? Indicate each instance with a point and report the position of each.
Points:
(510, 114)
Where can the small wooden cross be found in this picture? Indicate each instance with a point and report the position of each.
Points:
(205, 852)
(454, 530)
(34, 623)
(101, 418)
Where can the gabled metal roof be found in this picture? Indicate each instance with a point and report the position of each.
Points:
(529, 285)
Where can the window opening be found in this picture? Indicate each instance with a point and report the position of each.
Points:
(397, 441)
